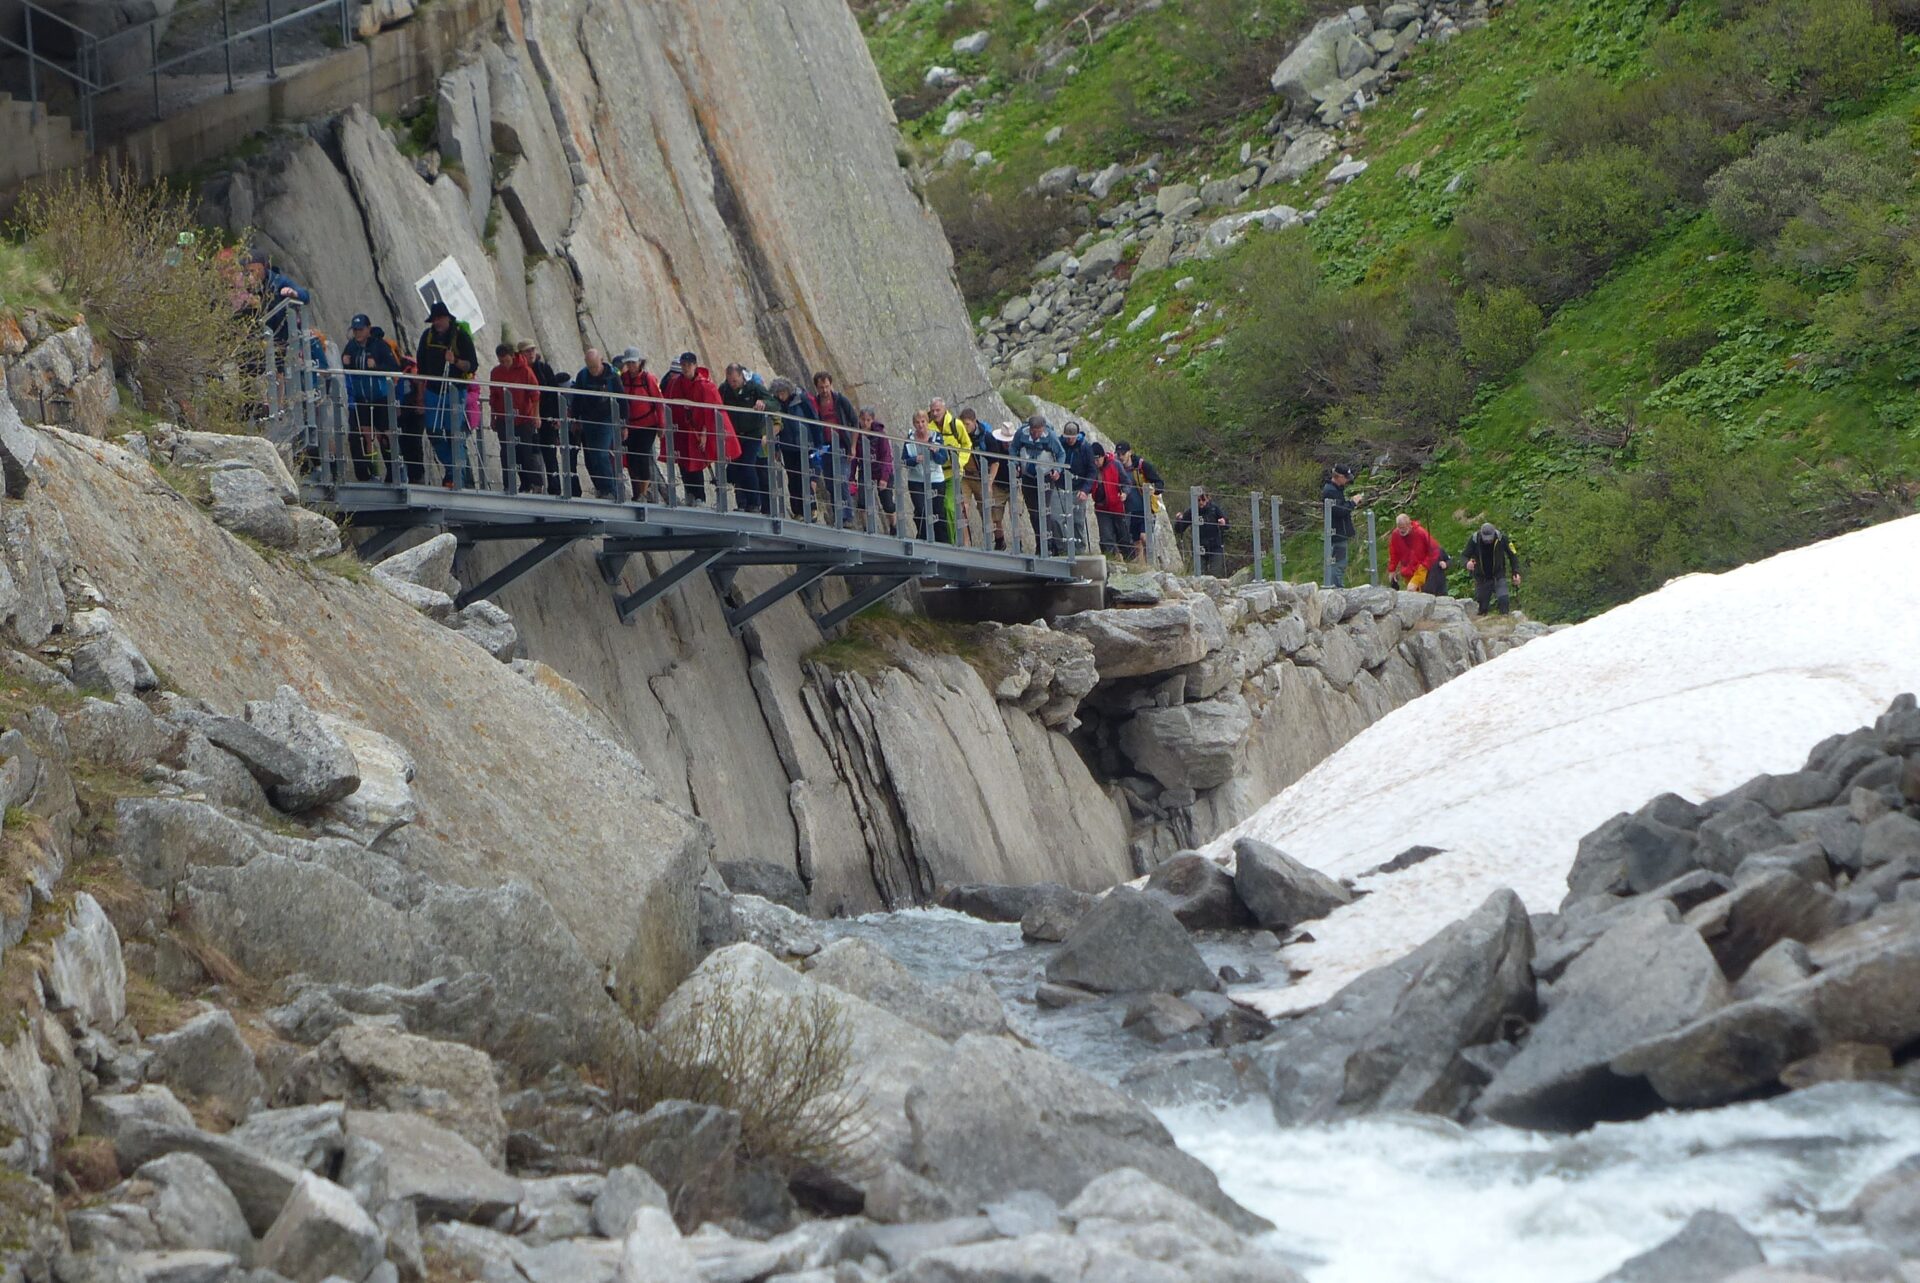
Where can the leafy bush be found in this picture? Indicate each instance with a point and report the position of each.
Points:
(1790, 177)
(1554, 229)
(155, 291)
(1303, 345)
(1497, 330)
(784, 1064)
(996, 239)
(1422, 395)
(1688, 505)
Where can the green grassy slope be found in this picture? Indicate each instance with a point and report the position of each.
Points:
(1695, 333)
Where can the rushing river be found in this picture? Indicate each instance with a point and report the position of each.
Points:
(1419, 1200)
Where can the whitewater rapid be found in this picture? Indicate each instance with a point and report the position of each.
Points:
(1410, 1199)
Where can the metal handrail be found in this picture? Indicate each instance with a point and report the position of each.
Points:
(84, 72)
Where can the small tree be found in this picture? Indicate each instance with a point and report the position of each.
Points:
(159, 291)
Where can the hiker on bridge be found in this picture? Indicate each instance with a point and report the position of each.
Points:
(836, 412)
(959, 443)
(924, 457)
(794, 438)
(447, 360)
(552, 420)
(370, 363)
(1411, 552)
(871, 464)
(1213, 532)
(1493, 563)
(1338, 513)
(747, 401)
(270, 287)
(702, 433)
(513, 401)
(1112, 498)
(1041, 460)
(999, 451)
(645, 415)
(599, 414)
(1079, 448)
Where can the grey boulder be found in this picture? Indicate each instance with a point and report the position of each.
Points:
(1392, 1039)
(1195, 746)
(1200, 893)
(246, 503)
(317, 767)
(1280, 891)
(1130, 943)
(322, 1232)
(1708, 1248)
(208, 1057)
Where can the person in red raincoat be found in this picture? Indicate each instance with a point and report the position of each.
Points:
(702, 436)
(1411, 552)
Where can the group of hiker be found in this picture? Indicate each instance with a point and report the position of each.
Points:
(1415, 559)
(634, 435)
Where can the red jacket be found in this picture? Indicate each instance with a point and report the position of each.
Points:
(526, 405)
(1407, 553)
(637, 382)
(1109, 489)
(697, 430)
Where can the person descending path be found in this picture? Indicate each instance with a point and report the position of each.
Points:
(923, 457)
(370, 363)
(1340, 521)
(597, 411)
(1493, 563)
(795, 439)
(1112, 498)
(645, 414)
(513, 399)
(747, 397)
(1411, 552)
(703, 433)
(835, 464)
(1213, 533)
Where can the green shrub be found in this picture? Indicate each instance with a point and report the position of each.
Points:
(1498, 330)
(1554, 229)
(1790, 177)
(996, 239)
(155, 287)
(1302, 344)
(1422, 395)
(1688, 505)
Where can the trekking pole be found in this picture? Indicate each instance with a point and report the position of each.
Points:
(1258, 570)
(1373, 550)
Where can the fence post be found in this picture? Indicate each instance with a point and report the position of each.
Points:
(226, 40)
(1042, 519)
(273, 72)
(806, 471)
(395, 469)
(153, 63)
(986, 499)
(869, 497)
(1326, 542)
(1193, 524)
(346, 23)
(1259, 572)
(34, 111)
(1373, 551)
(510, 445)
(1274, 536)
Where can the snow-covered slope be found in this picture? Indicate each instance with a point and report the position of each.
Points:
(1693, 689)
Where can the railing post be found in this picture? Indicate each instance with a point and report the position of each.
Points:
(986, 498)
(35, 113)
(346, 23)
(273, 72)
(1193, 524)
(396, 468)
(1275, 537)
(1373, 551)
(509, 446)
(806, 473)
(1326, 542)
(1043, 514)
(1259, 572)
(153, 63)
(226, 40)
(869, 498)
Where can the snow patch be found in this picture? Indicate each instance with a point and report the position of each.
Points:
(1693, 689)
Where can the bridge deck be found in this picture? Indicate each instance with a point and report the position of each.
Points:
(719, 542)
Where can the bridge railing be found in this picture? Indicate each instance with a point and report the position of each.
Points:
(380, 428)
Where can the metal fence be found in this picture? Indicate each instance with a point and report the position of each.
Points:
(197, 50)
(518, 438)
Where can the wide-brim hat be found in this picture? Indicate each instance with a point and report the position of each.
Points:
(1003, 434)
(439, 310)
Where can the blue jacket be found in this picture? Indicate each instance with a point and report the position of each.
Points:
(374, 354)
(1038, 455)
(794, 434)
(1080, 462)
(1342, 510)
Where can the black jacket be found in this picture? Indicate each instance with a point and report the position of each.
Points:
(1342, 510)
(1491, 560)
(749, 424)
(1213, 535)
(550, 383)
(434, 353)
(589, 406)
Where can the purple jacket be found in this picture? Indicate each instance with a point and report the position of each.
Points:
(882, 449)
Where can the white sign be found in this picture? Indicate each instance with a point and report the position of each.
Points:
(446, 283)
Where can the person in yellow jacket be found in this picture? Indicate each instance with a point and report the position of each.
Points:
(959, 442)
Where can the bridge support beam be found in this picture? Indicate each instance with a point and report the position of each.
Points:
(666, 581)
(380, 542)
(532, 559)
(737, 618)
(877, 591)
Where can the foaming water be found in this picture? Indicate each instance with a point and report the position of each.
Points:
(1409, 1199)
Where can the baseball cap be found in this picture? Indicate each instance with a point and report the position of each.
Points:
(1489, 531)
(632, 356)
(360, 321)
(687, 356)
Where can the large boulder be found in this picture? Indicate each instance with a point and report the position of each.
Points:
(1200, 893)
(1132, 642)
(1710, 1247)
(1197, 746)
(1724, 1055)
(1312, 72)
(1392, 1039)
(1278, 890)
(321, 1233)
(1889, 1207)
(1646, 977)
(246, 503)
(868, 972)
(994, 1117)
(432, 1167)
(1776, 905)
(260, 1184)
(371, 1066)
(316, 767)
(208, 1058)
(1130, 943)
(88, 975)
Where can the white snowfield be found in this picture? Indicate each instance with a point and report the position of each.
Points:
(1693, 689)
